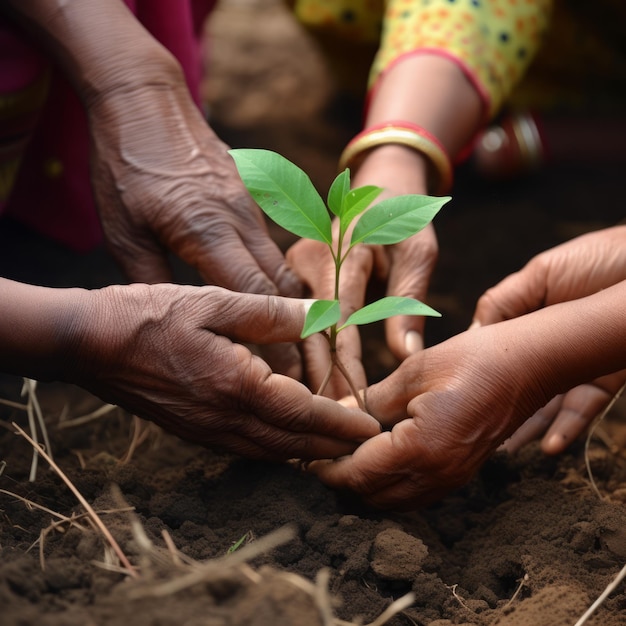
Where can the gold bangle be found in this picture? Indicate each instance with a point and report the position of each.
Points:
(413, 137)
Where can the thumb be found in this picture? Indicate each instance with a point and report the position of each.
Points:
(253, 318)
(387, 400)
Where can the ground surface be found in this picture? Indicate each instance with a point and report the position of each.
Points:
(527, 543)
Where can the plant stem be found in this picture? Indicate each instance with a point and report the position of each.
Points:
(346, 375)
(335, 362)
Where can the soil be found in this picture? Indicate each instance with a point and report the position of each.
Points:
(527, 543)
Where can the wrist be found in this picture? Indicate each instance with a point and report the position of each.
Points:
(37, 330)
(397, 169)
(409, 136)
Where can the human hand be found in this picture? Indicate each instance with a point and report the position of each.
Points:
(572, 270)
(450, 406)
(168, 353)
(567, 416)
(164, 181)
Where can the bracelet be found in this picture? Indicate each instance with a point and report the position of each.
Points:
(528, 139)
(406, 134)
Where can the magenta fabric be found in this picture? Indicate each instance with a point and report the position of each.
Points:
(52, 193)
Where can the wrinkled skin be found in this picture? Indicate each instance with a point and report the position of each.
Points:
(168, 353)
(164, 181)
(450, 407)
(572, 270)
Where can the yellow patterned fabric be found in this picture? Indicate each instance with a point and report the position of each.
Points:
(492, 40)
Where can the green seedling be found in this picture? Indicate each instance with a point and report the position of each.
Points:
(287, 196)
(240, 542)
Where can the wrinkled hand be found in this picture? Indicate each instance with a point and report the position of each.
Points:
(165, 182)
(405, 267)
(450, 407)
(167, 353)
(572, 270)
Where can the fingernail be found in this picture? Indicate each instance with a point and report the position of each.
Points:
(413, 342)
(554, 444)
(474, 324)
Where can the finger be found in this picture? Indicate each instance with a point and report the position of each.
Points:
(412, 263)
(405, 334)
(231, 265)
(370, 471)
(518, 294)
(534, 427)
(283, 358)
(309, 423)
(278, 445)
(387, 400)
(252, 318)
(580, 407)
(272, 262)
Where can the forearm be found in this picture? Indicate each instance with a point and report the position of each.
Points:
(430, 91)
(36, 329)
(99, 44)
(433, 93)
(564, 345)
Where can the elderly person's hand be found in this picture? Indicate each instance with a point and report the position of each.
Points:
(577, 268)
(169, 353)
(163, 181)
(450, 406)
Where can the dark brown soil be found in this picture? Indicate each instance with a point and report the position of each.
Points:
(527, 543)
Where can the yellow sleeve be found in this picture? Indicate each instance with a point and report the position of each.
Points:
(351, 20)
(493, 41)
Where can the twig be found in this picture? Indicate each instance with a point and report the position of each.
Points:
(321, 597)
(92, 514)
(35, 416)
(216, 567)
(590, 435)
(394, 608)
(457, 596)
(522, 582)
(31, 504)
(46, 531)
(14, 405)
(603, 596)
(90, 417)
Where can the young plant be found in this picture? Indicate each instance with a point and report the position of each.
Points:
(287, 196)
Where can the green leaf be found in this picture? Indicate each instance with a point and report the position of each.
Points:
(396, 219)
(356, 201)
(388, 307)
(338, 191)
(284, 192)
(321, 315)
